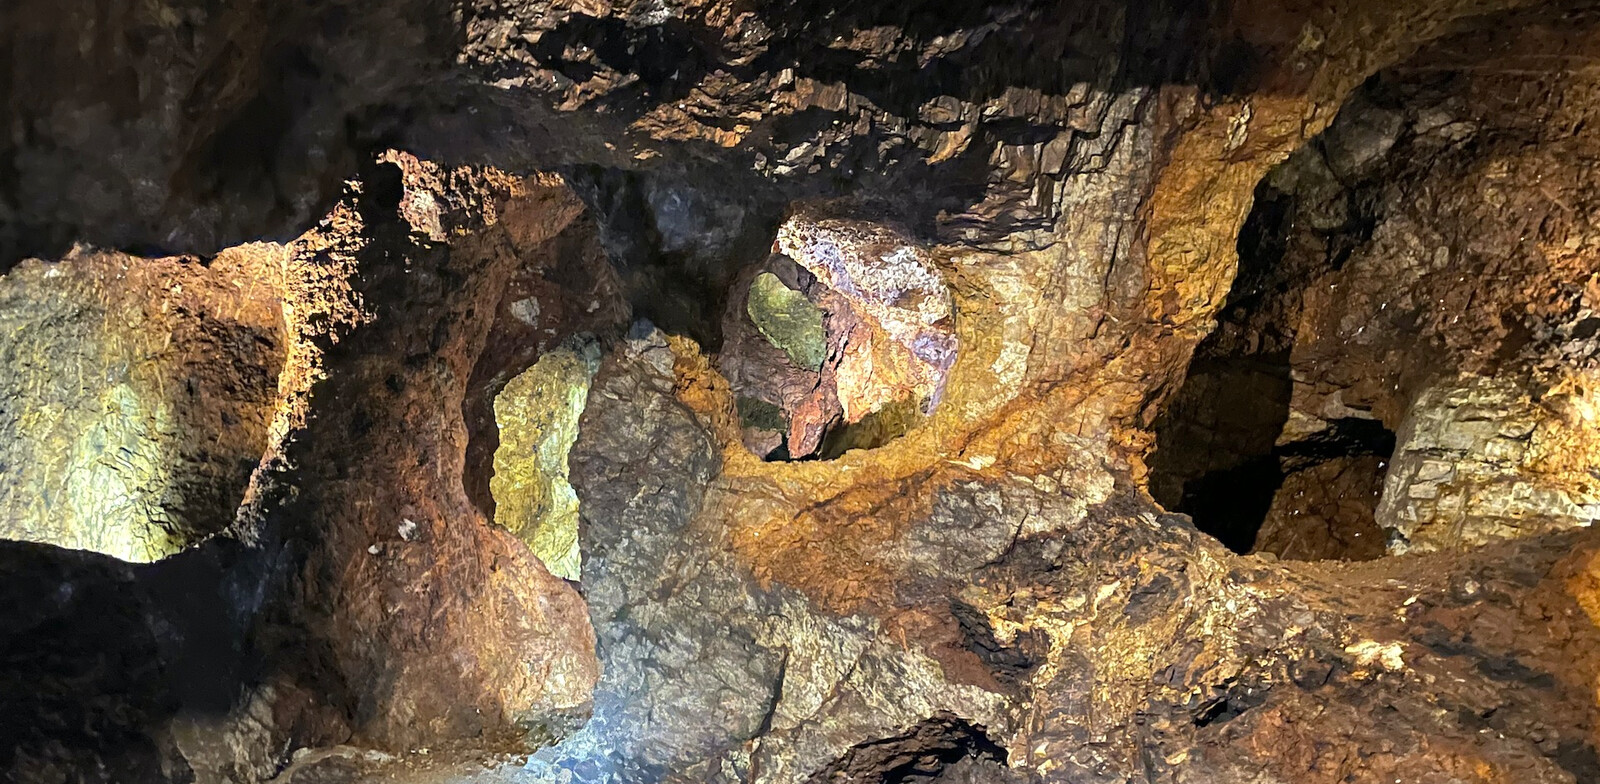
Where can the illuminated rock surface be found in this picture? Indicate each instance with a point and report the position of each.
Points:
(788, 320)
(136, 397)
(1206, 393)
(537, 414)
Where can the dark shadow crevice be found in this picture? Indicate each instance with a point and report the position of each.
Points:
(919, 754)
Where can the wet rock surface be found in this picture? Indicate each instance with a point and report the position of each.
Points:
(1232, 422)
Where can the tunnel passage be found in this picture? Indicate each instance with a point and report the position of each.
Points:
(1407, 351)
(1231, 451)
(842, 339)
(136, 397)
(1259, 446)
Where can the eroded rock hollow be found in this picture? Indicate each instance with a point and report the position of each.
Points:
(1026, 392)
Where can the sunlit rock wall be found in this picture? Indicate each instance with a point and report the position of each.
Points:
(134, 397)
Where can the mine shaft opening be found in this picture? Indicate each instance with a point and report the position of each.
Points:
(842, 339)
(1258, 446)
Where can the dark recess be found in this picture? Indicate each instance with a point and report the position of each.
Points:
(919, 754)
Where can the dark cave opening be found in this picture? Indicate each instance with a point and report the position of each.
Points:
(1231, 503)
(1310, 499)
(1238, 447)
(920, 754)
(1214, 458)
(678, 241)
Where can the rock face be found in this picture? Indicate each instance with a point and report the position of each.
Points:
(537, 416)
(865, 333)
(145, 442)
(1170, 393)
(1386, 284)
(494, 640)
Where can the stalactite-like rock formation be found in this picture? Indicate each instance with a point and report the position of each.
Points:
(1110, 391)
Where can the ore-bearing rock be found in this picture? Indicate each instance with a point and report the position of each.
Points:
(1110, 391)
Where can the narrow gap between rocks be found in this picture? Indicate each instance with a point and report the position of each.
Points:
(942, 744)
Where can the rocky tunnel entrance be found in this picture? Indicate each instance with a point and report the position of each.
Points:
(1408, 326)
(842, 339)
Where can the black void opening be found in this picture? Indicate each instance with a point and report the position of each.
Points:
(920, 754)
(1224, 452)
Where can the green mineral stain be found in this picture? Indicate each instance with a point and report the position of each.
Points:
(538, 413)
(788, 320)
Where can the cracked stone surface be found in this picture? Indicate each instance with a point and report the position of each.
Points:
(137, 396)
(1345, 243)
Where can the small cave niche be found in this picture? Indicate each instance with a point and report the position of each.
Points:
(926, 752)
(1222, 460)
(842, 339)
(529, 385)
(537, 415)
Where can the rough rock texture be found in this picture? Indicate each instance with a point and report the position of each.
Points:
(225, 658)
(491, 638)
(1257, 247)
(907, 343)
(788, 321)
(1391, 260)
(865, 333)
(537, 417)
(1480, 460)
(136, 397)
(707, 675)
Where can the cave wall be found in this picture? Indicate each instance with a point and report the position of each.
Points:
(997, 594)
(138, 393)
